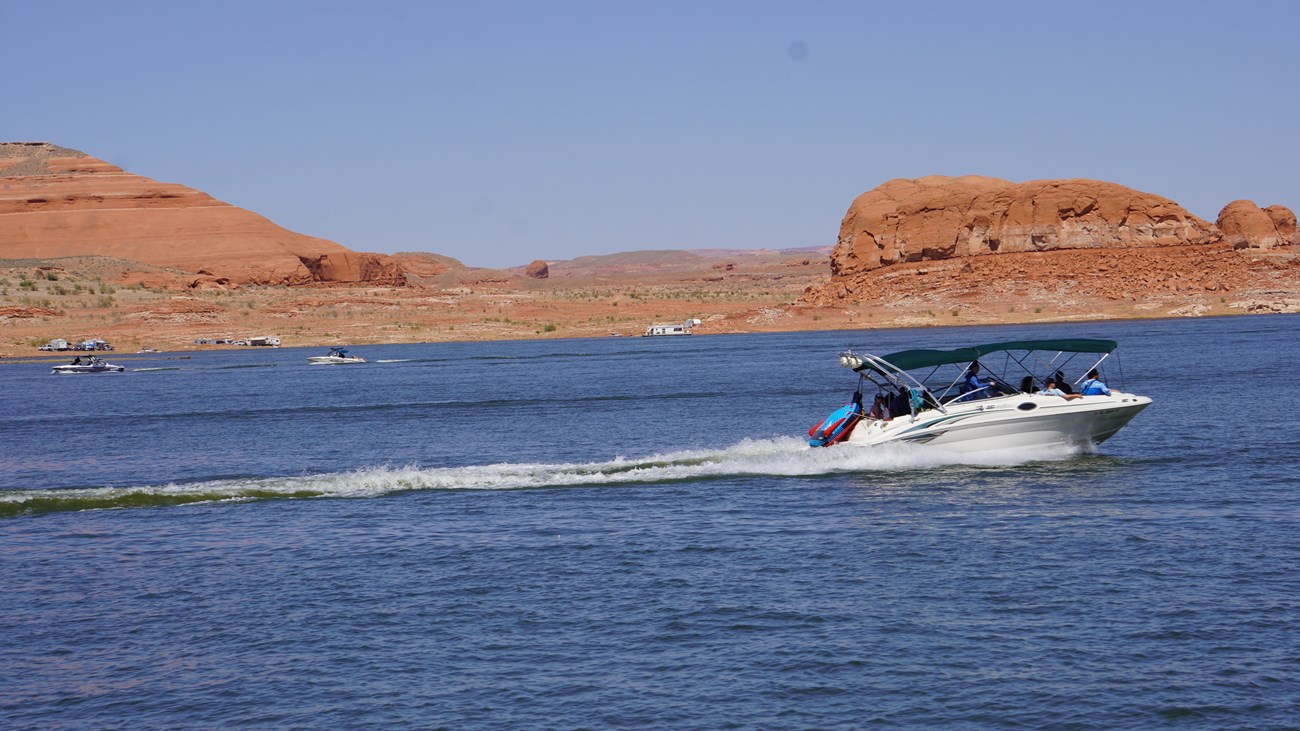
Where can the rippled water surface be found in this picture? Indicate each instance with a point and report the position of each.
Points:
(631, 533)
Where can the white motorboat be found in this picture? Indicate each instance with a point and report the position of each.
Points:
(962, 415)
(92, 365)
(337, 356)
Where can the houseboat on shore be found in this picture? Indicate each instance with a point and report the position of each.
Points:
(682, 328)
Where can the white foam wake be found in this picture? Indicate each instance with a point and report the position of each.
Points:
(778, 457)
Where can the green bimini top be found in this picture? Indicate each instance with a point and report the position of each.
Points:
(906, 360)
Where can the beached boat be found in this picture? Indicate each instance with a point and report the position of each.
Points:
(669, 328)
(92, 365)
(337, 356)
(1003, 404)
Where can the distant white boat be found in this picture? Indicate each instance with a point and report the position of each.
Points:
(337, 356)
(683, 328)
(92, 365)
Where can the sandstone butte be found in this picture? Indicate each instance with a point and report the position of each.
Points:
(1056, 239)
(58, 202)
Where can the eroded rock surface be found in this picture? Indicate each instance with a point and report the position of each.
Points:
(939, 217)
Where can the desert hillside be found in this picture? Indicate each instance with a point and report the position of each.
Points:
(58, 202)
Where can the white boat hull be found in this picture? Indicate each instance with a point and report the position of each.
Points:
(1008, 422)
(332, 360)
(105, 368)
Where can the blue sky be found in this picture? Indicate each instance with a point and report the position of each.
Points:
(501, 132)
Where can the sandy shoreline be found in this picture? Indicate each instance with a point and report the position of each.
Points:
(86, 298)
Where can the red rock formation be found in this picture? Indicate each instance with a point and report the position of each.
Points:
(350, 266)
(939, 217)
(537, 270)
(1284, 219)
(1246, 226)
(57, 202)
(425, 264)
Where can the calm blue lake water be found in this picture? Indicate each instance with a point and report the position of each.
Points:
(632, 533)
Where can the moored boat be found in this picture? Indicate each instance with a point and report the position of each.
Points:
(670, 328)
(919, 401)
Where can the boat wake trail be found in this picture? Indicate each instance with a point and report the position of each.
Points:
(777, 457)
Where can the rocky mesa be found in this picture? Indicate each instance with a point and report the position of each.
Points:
(59, 202)
(1049, 240)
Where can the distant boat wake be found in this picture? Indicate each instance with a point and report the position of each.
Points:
(778, 457)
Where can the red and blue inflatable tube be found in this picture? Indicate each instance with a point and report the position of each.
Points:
(835, 427)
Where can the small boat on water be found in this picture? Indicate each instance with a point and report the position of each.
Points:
(91, 365)
(993, 402)
(337, 356)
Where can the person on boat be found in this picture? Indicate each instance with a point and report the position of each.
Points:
(973, 388)
(1027, 385)
(76, 361)
(879, 409)
(899, 404)
(1093, 385)
(1063, 384)
(1052, 390)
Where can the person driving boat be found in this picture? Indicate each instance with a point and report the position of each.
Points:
(973, 388)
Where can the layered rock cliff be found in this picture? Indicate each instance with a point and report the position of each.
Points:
(59, 202)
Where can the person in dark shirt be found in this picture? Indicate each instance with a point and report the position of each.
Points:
(1063, 384)
(1052, 390)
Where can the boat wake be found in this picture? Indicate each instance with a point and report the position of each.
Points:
(777, 457)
